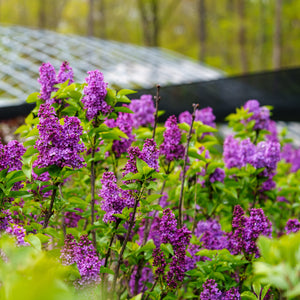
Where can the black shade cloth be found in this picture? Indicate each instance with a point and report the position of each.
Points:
(280, 89)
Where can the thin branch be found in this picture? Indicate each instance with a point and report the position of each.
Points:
(180, 215)
(131, 223)
(50, 211)
(157, 100)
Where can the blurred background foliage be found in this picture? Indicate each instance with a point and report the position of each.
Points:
(237, 36)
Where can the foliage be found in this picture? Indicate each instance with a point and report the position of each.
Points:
(94, 202)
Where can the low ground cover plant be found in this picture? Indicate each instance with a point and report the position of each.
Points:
(98, 200)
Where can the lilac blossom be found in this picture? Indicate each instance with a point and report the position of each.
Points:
(217, 175)
(185, 117)
(246, 231)
(84, 255)
(114, 198)
(210, 234)
(179, 239)
(18, 232)
(143, 111)
(71, 218)
(48, 79)
(204, 115)
(292, 226)
(190, 262)
(124, 123)
(210, 291)
(171, 147)
(11, 158)
(292, 156)
(261, 115)
(94, 95)
(58, 144)
(149, 154)
(5, 219)
(232, 154)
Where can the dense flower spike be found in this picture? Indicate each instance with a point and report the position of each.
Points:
(149, 154)
(11, 158)
(19, 233)
(143, 110)
(65, 73)
(246, 230)
(86, 258)
(210, 291)
(211, 235)
(261, 115)
(48, 79)
(95, 93)
(171, 147)
(114, 198)
(5, 219)
(58, 144)
(292, 226)
(124, 123)
(179, 239)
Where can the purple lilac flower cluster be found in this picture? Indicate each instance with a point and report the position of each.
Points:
(171, 147)
(292, 156)
(94, 95)
(18, 232)
(264, 155)
(211, 236)
(246, 230)
(179, 239)
(292, 226)
(211, 292)
(84, 255)
(204, 115)
(71, 218)
(5, 219)
(124, 122)
(114, 198)
(11, 158)
(143, 111)
(149, 154)
(48, 79)
(58, 144)
(260, 114)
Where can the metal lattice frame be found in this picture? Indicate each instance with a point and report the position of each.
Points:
(23, 50)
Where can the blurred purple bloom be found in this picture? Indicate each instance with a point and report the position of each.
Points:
(292, 226)
(19, 233)
(261, 115)
(143, 111)
(217, 175)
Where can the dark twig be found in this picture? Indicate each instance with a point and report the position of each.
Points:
(180, 216)
(131, 223)
(93, 178)
(50, 211)
(157, 100)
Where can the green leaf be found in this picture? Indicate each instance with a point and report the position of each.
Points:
(27, 171)
(126, 92)
(248, 295)
(106, 270)
(167, 248)
(33, 97)
(34, 241)
(140, 164)
(123, 109)
(184, 126)
(264, 291)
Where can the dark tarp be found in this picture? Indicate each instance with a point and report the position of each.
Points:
(281, 89)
